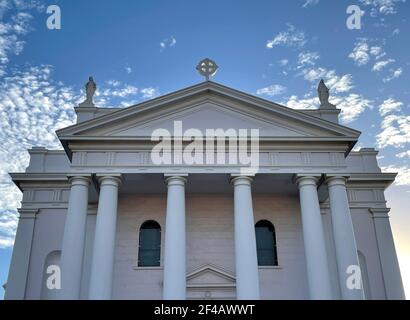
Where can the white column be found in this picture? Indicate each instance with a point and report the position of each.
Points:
(20, 261)
(343, 233)
(246, 259)
(175, 246)
(390, 265)
(314, 240)
(74, 238)
(102, 265)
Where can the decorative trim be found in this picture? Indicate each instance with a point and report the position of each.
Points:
(136, 267)
(270, 267)
(26, 213)
(380, 213)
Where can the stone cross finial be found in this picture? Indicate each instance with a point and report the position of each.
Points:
(90, 89)
(207, 68)
(323, 93)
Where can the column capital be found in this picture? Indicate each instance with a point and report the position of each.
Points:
(176, 179)
(380, 213)
(336, 179)
(237, 180)
(306, 179)
(109, 179)
(79, 179)
(27, 213)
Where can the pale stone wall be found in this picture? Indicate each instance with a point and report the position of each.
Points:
(210, 240)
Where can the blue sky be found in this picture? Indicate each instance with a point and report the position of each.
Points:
(137, 50)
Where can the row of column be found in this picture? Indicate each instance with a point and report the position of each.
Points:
(104, 242)
(247, 280)
(315, 242)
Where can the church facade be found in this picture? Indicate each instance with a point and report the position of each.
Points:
(102, 219)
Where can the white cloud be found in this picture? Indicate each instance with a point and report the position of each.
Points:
(149, 93)
(283, 62)
(169, 42)
(395, 131)
(389, 105)
(32, 107)
(290, 38)
(10, 37)
(128, 70)
(405, 154)
(394, 73)
(295, 103)
(352, 106)
(307, 59)
(336, 83)
(396, 32)
(272, 90)
(377, 51)
(383, 7)
(122, 92)
(309, 3)
(360, 53)
(363, 52)
(8, 227)
(379, 65)
(403, 174)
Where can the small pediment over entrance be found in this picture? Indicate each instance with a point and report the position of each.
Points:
(211, 282)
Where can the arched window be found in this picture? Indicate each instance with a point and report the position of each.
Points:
(266, 243)
(149, 253)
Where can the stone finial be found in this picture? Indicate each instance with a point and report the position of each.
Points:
(90, 89)
(207, 68)
(323, 93)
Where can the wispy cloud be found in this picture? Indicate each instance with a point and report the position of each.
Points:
(283, 62)
(11, 34)
(379, 65)
(382, 7)
(363, 52)
(290, 38)
(405, 154)
(394, 73)
(32, 107)
(272, 90)
(335, 82)
(168, 43)
(115, 94)
(352, 105)
(150, 92)
(309, 3)
(307, 59)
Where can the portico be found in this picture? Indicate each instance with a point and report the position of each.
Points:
(122, 226)
(174, 264)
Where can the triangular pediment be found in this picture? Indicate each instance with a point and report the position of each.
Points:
(207, 106)
(210, 276)
(208, 115)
